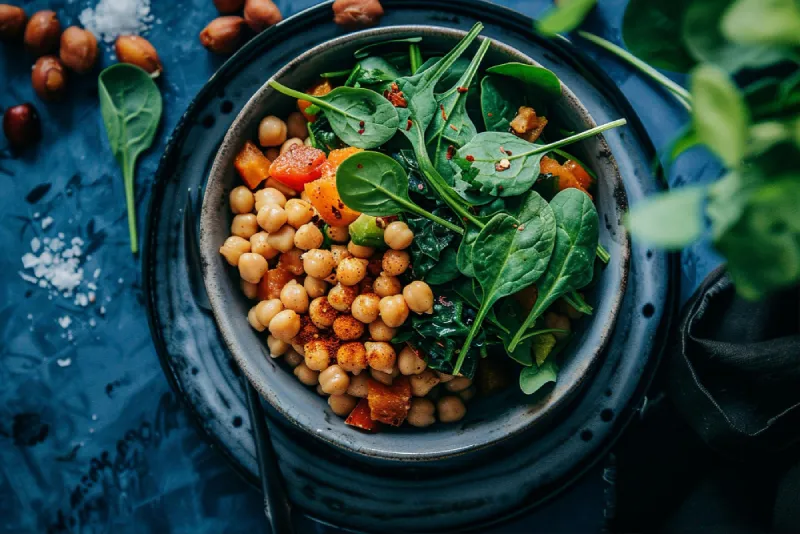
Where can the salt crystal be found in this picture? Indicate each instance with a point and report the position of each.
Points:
(64, 363)
(61, 235)
(92, 296)
(30, 316)
(46, 222)
(65, 321)
(97, 273)
(102, 310)
(35, 244)
(92, 322)
(112, 18)
(81, 299)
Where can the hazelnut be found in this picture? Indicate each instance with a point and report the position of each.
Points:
(22, 126)
(78, 49)
(228, 6)
(42, 33)
(12, 22)
(223, 35)
(357, 13)
(260, 14)
(138, 51)
(49, 78)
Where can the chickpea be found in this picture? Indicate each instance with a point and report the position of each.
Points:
(259, 244)
(233, 248)
(378, 331)
(250, 290)
(293, 358)
(458, 383)
(296, 125)
(308, 236)
(285, 325)
(556, 320)
(450, 409)
(283, 239)
(360, 252)
(298, 348)
(242, 200)
(320, 392)
(386, 286)
(351, 271)
(352, 357)
(318, 354)
(294, 297)
(339, 234)
(358, 386)
(394, 310)
(419, 297)
(444, 377)
(266, 310)
(383, 378)
(423, 383)
(271, 217)
(252, 267)
(271, 131)
(315, 287)
(303, 195)
(292, 261)
(366, 307)
(467, 394)
(322, 313)
(395, 262)
(277, 347)
(409, 361)
(348, 328)
(380, 355)
(365, 285)
(342, 405)
(306, 375)
(244, 225)
(299, 212)
(340, 253)
(421, 413)
(398, 235)
(273, 153)
(318, 263)
(253, 320)
(334, 380)
(308, 142)
(291, 144)
(269, 195)
(341, 297)
(287, 191)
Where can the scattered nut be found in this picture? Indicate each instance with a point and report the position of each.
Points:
(12, 22)
(357, 13)
(42, 33)
(223, 35)
(260, 14)
(78, 49)
(138, 51)
(22, 126)
(228, 6)
(49, 78)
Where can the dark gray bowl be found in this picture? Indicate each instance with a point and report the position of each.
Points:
(488, 421)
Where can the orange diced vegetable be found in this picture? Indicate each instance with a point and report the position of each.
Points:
(389, 404)
(527, 124)
(580, 173)
(566, 178)
(323, 193)
(360, 417)
(252, 164)
(336, 157)
(323, 87)
(298, 166)
(271, 284)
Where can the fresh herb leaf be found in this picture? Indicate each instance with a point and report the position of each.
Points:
(500, 100)
(430, 243)
(602, 254)
(376, 73)
(322, 136)
(564, 16)
(763, 22)
(538, 79)
(414, 57)
(532, 379)
(364, 51)
(131, 106)
(669, 220)
(653, 31)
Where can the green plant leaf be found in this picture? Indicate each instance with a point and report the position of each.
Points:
(322, 136)
(131, 106)
(376, 73)
(720, 115)
(538, 79)
(364, 51)
(532, 379)
(359, 117)
(763, 22)
(564, 17)
(500, 100)
(670, 220)
(653, 31)
(685, 140)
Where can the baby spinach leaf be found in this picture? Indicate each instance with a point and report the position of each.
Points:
(538, 79)
(572, 263)
(376, 73)
(653, 31)
(446, 270)
(131, 106)
(431, 242)
(500, 100)
(564, 17)
(359, 117)
(364, 51)
(375, 184)
(322, 136)
(763, 22)
(464, 256)
(532, 379)
(510, 254)
(671, 220)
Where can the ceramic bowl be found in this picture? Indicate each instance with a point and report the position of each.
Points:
(489, 421)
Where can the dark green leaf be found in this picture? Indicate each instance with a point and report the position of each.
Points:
(500, 100)
(322, 136)
(532, 379)
(653, 31)
(763, 22)
(670, 220)
(364, 51)
(537, 79)
(565, 16)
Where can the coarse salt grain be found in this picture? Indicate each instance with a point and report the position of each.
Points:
(112, 18)
(46, 222)
(65, 321)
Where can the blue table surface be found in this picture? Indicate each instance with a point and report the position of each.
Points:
(91, 437)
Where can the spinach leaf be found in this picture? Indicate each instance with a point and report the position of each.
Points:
(446, 270)
(763, 22)
(538, 79)
(500, 100)
(375, 184)
(414, 57)
(322, 136)
(360, 117)
(431, 241)
(510, 254)
(364, 51)
(336, 74)
(376, 73)
(572, 263)
(532, 379)
(653, 31)
(131, 106)
(464, 256)
(671, 220)
(564, 16)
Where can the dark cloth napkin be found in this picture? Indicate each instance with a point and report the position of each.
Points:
(716, 447)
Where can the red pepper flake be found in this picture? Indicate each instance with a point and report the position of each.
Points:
(470, 158)
(360, 166)
(521, 227)
(453, 128)
(361, 131)
(395, 96)
(395, 87)
(490, 114)
(462, 90)
(421, 187)
(444, 115)
(508, 152)
(361, 124)
(336, 213)
(502, 150)
(450, 151)
(408, 125)
(500, 188)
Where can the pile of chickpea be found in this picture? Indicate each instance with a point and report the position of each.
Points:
(334, 322)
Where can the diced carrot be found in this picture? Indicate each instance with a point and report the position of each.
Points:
(252, 164)
(580, 173)
(360, 417)
(389, 404)
(323, 193)
(271, 283)
(323, 87)
(298, 166)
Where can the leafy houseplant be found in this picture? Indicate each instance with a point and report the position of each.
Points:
(743, 57)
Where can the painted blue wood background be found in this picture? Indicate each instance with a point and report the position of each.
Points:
(91, 438)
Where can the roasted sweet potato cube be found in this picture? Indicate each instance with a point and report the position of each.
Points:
(271, 284)
(252, 164)
(389, 404)
(527, 124)
(322, 87)
(360, 417)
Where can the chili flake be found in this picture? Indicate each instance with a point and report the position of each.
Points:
(408, 125)
(450, 151)
(395, 96)
(361, 131)
(462, 89)
(361, 124)
(470, 158)
(453, 128)
(444, 115)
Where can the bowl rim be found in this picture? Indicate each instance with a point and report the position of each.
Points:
(224, 321)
